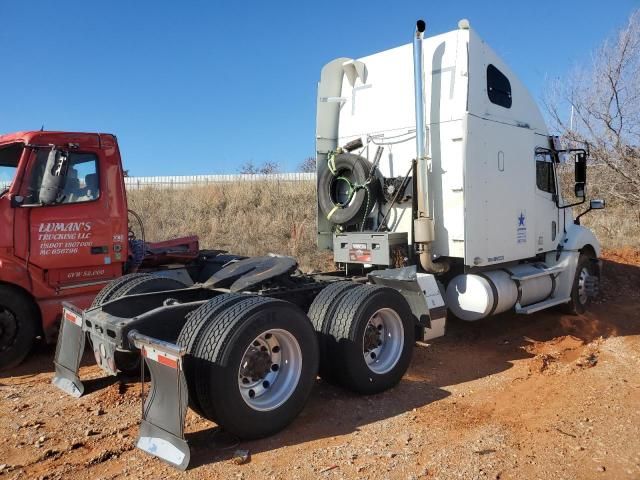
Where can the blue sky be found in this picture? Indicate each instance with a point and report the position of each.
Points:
(203, 86)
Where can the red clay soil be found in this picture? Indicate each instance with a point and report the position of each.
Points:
(513, 397)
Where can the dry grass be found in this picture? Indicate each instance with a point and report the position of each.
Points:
(252, 218)
(616, 226)
(280, 217)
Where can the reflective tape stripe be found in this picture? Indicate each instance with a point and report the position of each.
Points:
(161, 357)
(73, 317)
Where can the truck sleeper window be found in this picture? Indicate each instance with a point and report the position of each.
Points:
(82, 183)
(498, 87)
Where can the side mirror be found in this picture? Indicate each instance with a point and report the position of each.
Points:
(54, 177)
(597, 204)
(581, 168)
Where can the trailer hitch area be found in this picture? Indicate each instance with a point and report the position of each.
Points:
(165, 406)
(69, 351)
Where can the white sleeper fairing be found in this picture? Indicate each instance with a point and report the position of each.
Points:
(492, 203)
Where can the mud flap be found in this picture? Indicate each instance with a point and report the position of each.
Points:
(423, 294)
(69, 351)
(165, 406)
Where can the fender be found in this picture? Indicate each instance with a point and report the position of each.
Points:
(575, 240)
(14, 273)
(578, 237)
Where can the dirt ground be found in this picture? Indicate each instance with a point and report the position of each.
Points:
(513, 397)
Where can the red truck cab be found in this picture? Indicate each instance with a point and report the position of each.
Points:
(65, 247)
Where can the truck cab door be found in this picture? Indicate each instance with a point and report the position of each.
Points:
(69, 242)
(546, 210)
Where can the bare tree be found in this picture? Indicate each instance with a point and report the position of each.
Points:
(308, 165)
(599, 105)
(266, 168)
(269, 167)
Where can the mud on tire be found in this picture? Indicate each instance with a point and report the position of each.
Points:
(579, 299)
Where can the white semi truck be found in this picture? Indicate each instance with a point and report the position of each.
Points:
(439, 193)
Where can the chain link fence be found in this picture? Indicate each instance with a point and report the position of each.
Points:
(186, 181)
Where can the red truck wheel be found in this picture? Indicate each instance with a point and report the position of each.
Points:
(18, 326)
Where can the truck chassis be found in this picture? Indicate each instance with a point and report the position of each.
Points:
(243, 348)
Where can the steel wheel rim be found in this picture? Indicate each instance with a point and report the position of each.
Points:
(8, 328)
(583, 295)
(264, 386)
(383, 341)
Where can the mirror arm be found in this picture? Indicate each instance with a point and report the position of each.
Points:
(577, 220)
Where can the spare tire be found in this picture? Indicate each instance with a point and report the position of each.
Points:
(343, 197)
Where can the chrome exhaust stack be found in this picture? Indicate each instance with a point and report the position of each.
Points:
(423, 225)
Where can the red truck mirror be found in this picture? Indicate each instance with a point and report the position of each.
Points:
(54, 177)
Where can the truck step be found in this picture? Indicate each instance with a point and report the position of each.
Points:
(536, 307)
(535, 272)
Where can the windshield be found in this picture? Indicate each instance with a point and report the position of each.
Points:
(9, 157)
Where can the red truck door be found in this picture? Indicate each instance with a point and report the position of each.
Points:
(73, 242)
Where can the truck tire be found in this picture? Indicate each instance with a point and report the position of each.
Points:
(109, 290)
(136, 283)
(580, 298)
(321, 314)
(372, 337)
(259, 363)
(19, 324)
(147, 284)
(189, 336)
(336, 206)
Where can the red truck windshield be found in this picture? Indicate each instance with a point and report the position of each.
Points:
(9, 157)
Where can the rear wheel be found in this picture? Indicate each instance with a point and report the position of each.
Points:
(19, 319)
(373, 332)
(259, 363)
(321, 314)
(133, 284)
(191, 333)
(113, 286)
(147, 284)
